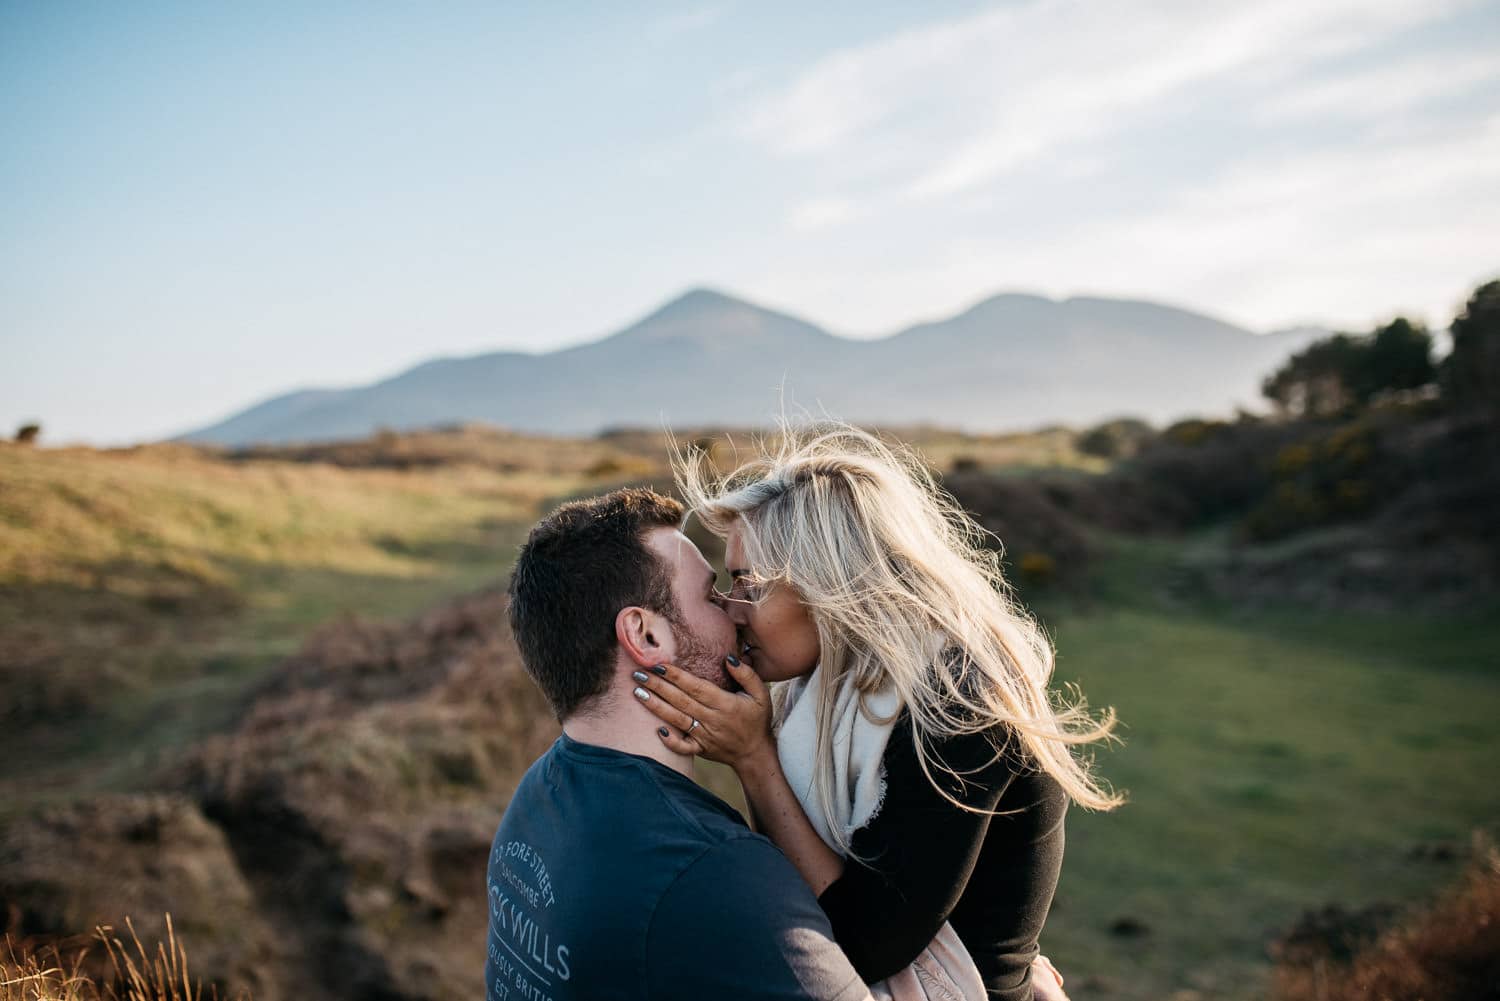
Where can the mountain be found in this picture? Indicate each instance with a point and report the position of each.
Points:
(709, 358)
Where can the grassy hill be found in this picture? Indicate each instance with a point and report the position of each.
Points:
(142, 590)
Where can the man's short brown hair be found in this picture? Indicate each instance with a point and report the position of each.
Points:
(580, 565)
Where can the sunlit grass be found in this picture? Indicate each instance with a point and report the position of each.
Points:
(64, 971)
(101, 519)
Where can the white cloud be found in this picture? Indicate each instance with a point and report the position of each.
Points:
(684, 22)
(1343, 237)
(850, 91)
(1383, 90)
(973, 98)
(821, 213)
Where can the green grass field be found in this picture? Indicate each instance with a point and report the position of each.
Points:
(1276, 762)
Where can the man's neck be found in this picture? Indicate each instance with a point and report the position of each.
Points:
(625, 725)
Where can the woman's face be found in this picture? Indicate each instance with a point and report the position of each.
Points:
(775, 627)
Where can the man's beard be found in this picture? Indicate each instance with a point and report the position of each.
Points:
(699, 659)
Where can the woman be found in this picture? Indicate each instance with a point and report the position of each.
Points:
(920, 769)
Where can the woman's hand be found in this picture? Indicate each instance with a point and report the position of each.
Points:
(1046, 982)
(732, 727)
(735, 728)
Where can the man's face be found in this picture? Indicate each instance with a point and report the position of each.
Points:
(705, 635)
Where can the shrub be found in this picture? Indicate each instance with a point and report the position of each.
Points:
(1199, 471)
(1450, 952)
(1292, 460)
(1471, 372)
(605, 467)
(1319, 480)
(1037, 569)
(1351, 495)
(1117, 439)
(1040, 539)
(1193, 431)
(964, 464)
(1098, 442)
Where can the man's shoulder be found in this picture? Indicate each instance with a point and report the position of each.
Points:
(648, 805)
(687, 835)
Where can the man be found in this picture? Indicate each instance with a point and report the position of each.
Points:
(613, 875)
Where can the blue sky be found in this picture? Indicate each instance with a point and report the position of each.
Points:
(202, 205)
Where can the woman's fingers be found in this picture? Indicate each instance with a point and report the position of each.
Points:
(680, 721)
(660, 689)
(750, 682)
(733, 726)
(664, 710)
(678, 743)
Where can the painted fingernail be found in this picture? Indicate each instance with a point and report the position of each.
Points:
(733, 660)
(642, 694)
(640, 676)
(663, 731)
(660, 669)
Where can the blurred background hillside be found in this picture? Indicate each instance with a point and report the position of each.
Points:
(308, 315)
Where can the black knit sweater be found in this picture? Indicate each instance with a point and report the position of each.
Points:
(926, 861)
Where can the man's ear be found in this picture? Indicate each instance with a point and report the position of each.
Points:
(643, 635)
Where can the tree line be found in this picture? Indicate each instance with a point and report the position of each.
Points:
(1344, 373)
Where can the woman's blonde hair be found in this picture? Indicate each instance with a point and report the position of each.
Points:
(903, 592)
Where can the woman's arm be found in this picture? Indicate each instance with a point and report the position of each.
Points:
(779, 816)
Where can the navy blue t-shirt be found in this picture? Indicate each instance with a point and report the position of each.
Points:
(613, 876)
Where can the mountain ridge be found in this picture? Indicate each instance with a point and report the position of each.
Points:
(1010, 359)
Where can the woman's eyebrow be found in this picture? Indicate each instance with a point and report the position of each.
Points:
(737, 574)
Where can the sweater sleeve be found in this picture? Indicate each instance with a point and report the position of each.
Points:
(909, 866)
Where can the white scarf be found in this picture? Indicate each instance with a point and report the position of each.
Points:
(944, 971)
(858, 787)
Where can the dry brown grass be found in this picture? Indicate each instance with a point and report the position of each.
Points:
(1450, 952)
(70, 970)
